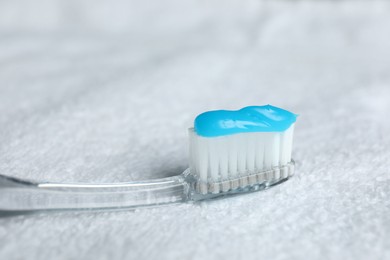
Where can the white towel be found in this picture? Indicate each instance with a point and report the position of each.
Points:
(95, 91)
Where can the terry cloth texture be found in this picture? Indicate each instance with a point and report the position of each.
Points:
(104, 91)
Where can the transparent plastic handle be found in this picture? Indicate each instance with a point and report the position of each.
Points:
(21, 195)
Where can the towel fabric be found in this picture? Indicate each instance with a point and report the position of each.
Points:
(104, 91)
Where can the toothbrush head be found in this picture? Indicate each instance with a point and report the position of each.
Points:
(239, 151)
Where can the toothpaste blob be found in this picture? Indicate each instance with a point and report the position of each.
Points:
(248, 119)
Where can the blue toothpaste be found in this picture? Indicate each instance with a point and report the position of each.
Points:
(248, 119)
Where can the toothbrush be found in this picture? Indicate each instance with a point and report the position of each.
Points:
(231, 152)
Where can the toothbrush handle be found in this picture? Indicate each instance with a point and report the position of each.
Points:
(21, 195)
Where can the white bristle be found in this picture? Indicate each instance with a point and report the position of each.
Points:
(202, 162)
(223, 159)
(232, 161)
(250, 152)
(233, 155)
(260, 152)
